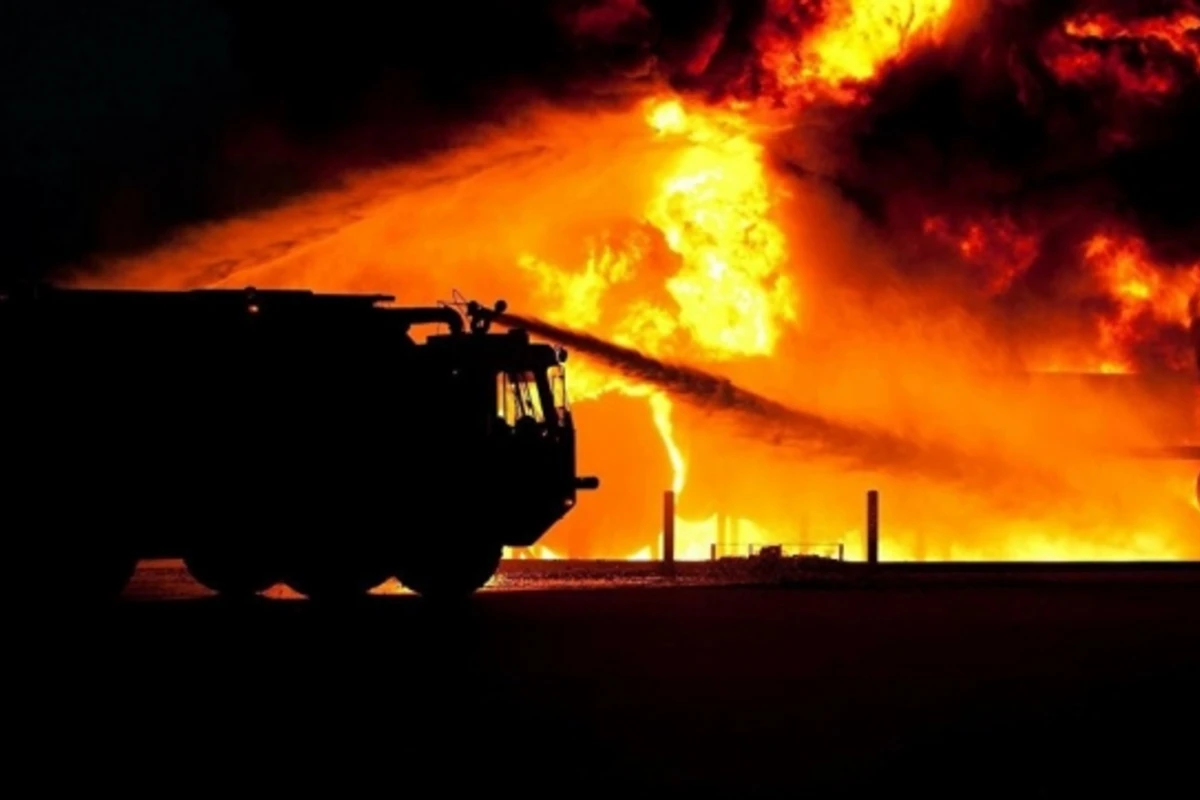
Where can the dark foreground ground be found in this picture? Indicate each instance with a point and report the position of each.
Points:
(1016, 690)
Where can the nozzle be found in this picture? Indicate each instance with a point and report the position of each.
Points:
(482, 317)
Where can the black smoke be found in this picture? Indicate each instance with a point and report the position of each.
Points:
(124, 121)
(985, 125)
(988, 123)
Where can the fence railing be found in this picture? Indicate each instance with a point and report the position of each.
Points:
(831, 550)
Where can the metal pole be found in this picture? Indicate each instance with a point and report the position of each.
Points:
(873, 527)
(669, 529)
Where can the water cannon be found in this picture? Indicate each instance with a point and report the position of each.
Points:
(482, 317)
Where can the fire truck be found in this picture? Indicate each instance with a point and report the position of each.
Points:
(277, 436)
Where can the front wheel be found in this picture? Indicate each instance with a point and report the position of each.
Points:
(449, 574)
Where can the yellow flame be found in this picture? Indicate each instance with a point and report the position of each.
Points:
(714, 209)
(856, 39)
(643, 554)
(537, 552)
(660, 404)
(859, 37)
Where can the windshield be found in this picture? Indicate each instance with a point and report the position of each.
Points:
(518, 396)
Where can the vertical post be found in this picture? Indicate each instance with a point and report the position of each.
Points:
(873, 527)
(712, 552)
(669, 529)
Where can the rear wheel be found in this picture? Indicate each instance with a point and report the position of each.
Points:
(449, 574)
(98, 576)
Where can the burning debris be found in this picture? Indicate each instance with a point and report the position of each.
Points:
(854, 207)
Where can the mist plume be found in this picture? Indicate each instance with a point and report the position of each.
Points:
(771, 422)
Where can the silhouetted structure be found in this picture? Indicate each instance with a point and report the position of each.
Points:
(668, 552)
(873, 527)
(268, 436)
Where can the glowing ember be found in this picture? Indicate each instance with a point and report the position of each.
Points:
(714, 210)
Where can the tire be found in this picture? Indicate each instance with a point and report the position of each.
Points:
(232, 574)
(449, 575)
(99, 577)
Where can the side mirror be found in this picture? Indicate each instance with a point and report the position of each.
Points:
(562, 355)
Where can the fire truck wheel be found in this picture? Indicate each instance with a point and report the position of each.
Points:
(333, 579)
(99, 576)
(449, 575)
(232, 574)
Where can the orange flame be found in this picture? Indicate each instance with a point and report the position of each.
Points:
(1143, 293)
(713, 213)
(1094, 46)
(996, 246)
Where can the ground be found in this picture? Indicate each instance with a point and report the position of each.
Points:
(762, 690)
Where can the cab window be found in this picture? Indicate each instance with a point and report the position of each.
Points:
(517, 396)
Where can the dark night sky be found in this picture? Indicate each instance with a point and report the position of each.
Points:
(125, 118)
